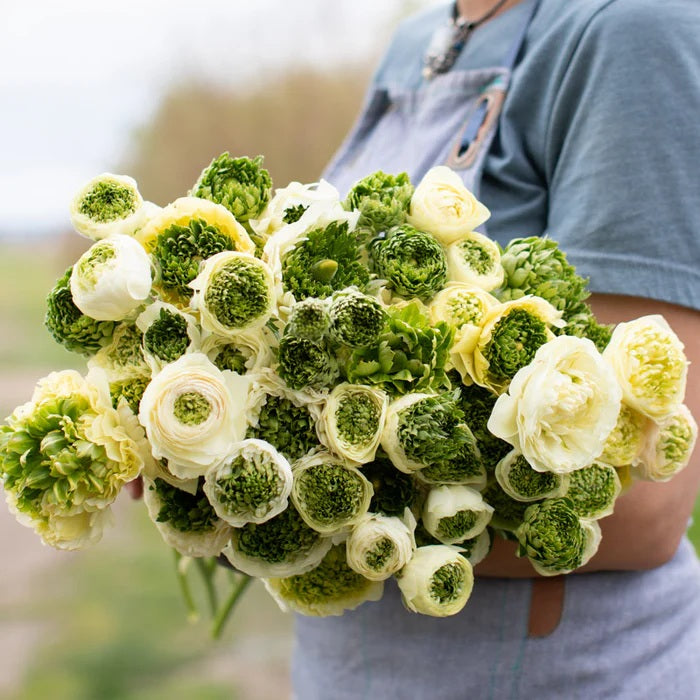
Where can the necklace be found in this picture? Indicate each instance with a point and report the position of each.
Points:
(449, 41)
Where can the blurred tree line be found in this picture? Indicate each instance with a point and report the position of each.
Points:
(295, 120)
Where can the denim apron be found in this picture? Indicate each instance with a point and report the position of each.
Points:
(622, 635)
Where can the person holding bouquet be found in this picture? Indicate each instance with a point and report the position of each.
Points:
(576, 121)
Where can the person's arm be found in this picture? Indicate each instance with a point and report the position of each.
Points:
(649, 519)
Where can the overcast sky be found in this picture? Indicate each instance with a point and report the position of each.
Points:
(76, 77)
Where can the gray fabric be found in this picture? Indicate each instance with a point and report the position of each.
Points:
(622, 636)
(599, 147)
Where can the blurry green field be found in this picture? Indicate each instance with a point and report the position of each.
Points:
(115, 623)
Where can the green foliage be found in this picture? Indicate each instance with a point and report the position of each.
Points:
(410, 355)
(382, 200)
(326, 260)
(304, 363)
(183, 511)
(242, 185)
(69, 326)
(412, 261)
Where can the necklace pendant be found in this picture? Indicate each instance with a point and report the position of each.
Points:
(441, 54)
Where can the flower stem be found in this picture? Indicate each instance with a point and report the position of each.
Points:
(181, 566)
(239, 586)
(207, 569)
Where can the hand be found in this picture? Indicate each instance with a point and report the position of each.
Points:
(135, 488)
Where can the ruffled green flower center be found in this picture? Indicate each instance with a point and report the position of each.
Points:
(178, 250)
(237, 293)
(528, 483)
(279, 539)
(249, 486)
(330, 493)
(125, 350)
(332, 580)
(356, 320)
(289, 428)
(230, 358)
(464, 309)
(455, 526)
(191, 408)
(592, 489)
(293, 214)
(306, 363)
(514, 342)
(357, 419)
(183, 511)
(477, 256)
(379, 554)
(394, 491)
(108, 201)
(447, 584)
(89, 266)
(308, 319)
(412, 261)
(166, 338)
(675, 440)
(131, 389)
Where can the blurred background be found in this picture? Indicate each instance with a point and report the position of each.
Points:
(153, 89)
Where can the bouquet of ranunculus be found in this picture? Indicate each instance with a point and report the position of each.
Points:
(333, 392)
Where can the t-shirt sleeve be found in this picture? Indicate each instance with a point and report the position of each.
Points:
(622, 153)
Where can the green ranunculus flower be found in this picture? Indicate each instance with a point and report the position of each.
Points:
(593, 490)
(329, 589)
(412, 262)
(329, 495)
(309, 319)
(356, 320)
(242, 185)
(323, 261)
(304, 363)
(508, 513)
(394, 491)
(282, 546)
(69, 326)
(381, 199)
(130, 388)
(521, 482)
(555, 539)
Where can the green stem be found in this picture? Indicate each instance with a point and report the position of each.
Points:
(241, 583)
(207, 569)
(181, 572)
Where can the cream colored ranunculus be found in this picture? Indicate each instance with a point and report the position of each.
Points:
(627, 439)
(455, 513)
(650, 365)
(192, 413)
(437, 581)
(475, 259)
(560, 409)
(444, 207)
(111, 279)
(380, 545)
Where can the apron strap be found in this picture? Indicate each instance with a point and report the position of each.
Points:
(477, 119)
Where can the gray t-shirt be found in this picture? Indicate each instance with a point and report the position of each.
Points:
(598, 147)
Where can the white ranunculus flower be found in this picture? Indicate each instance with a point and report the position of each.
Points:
(650, 365)
(251, 485)
(353, 420)
(390, 437)
(627, 439)
(460, 304)
(195, 539)
(107, 205)
(437, 581)
(559, 409)
(111, 279)
(453, 514)
(234, 292)
(669, 446)
(475, 259)
(313, 197)
(477, 549)
(443, 206)
(193, 413)
(380, 545)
